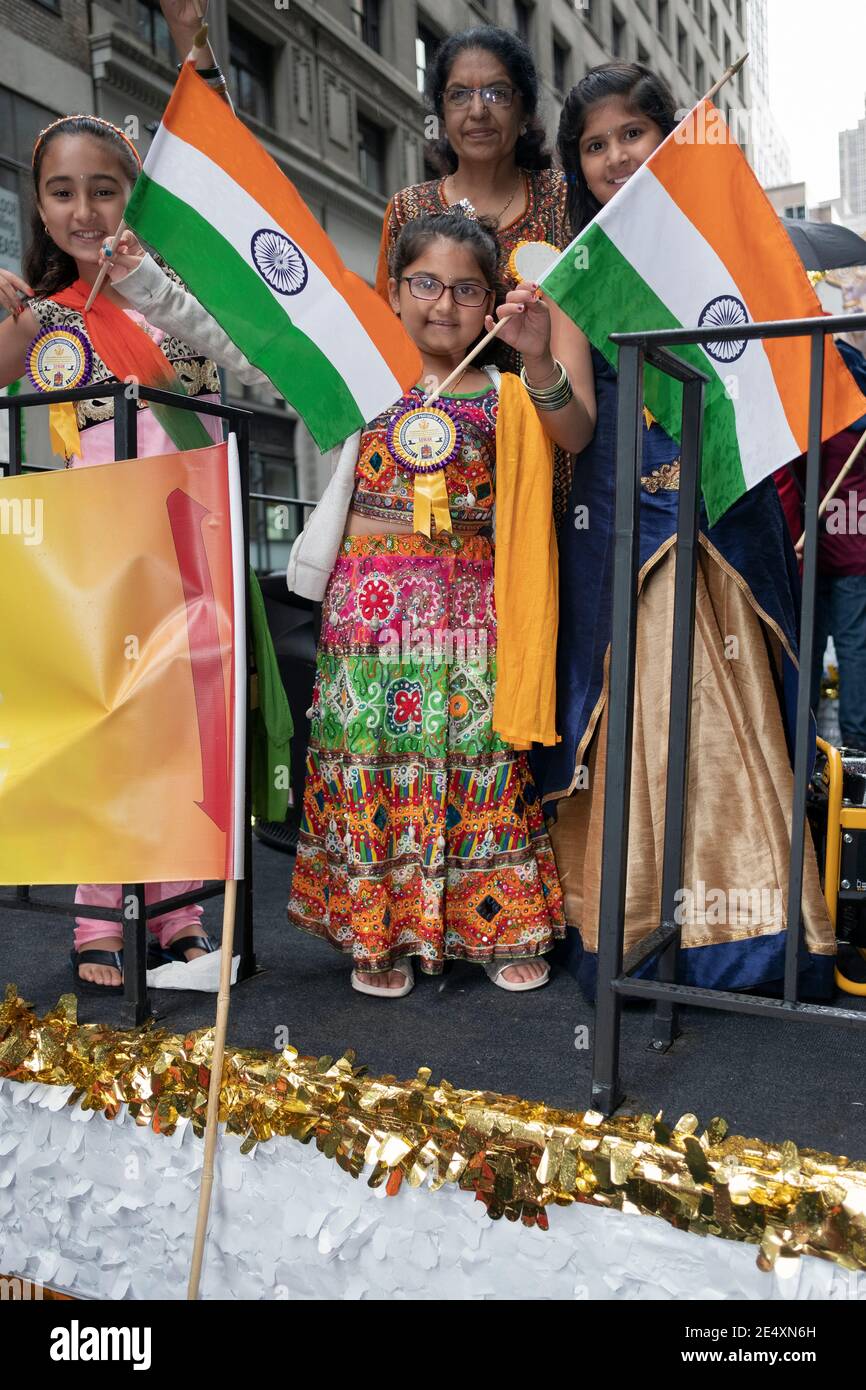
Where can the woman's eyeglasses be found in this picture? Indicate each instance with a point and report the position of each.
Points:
(499, 94)
(467, 294)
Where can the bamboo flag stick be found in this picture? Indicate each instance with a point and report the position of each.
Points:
(97, 284)
(213, 1095)
(839, 480)
(458, 370)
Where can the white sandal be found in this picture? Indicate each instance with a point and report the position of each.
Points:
(404, 967)
(495, 968)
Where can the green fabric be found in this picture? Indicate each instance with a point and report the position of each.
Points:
(271, 724)
(623, 301)
(225, 284)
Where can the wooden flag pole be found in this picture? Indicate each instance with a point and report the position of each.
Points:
(458, 370)
(97, 284)
(213, 1095)
(725, 77)
(837, 483)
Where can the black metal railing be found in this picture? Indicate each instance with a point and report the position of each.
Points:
(616, 973)
(136, 1001)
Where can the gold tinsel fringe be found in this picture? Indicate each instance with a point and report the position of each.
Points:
(517, 1156)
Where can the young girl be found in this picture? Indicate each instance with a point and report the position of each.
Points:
(739, 796)
(83, 172)
(422, 833)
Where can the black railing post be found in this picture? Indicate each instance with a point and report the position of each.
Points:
(606, 1095)
(666, 1024)
(803, 747)
(125, 422)
(244, 907)
(15, 450)
(136, 1000)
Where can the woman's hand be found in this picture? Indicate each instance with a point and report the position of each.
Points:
(528, 326)
(126, 255)
(11, 286)
(184, 16)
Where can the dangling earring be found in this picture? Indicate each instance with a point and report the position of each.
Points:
(523, 129)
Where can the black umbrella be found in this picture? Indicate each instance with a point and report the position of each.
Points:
(825, 245)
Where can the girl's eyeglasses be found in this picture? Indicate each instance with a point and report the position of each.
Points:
(466, 293)
(500, 94)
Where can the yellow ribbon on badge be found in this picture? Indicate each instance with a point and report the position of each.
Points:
(63, 430)
(431, 500)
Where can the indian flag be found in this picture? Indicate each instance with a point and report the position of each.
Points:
(692, 240)
(221, 213)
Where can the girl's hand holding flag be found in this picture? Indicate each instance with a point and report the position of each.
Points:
(121, 258)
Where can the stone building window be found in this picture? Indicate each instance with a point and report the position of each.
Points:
(523, 21)
(251, 66)
(150, 26)
(366, 23)
(426, 44)
(372, 155)
(618, 30)
(560, 66)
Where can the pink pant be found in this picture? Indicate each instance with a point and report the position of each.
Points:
(165, 927)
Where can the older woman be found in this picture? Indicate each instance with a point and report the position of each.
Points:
(483, 88)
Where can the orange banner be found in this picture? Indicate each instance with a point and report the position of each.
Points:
(119, 589)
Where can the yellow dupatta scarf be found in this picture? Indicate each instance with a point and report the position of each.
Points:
(526, 573)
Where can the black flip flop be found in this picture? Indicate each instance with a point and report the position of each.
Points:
(175, 949)
(93, 957)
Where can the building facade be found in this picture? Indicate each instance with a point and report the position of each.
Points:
(852, 167)
(333, 89)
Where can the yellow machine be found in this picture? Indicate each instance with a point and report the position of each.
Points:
(844, 848)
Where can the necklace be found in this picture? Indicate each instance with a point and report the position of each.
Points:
(469, 207)
(511, 199)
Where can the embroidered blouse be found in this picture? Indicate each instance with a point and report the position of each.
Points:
(384, 487)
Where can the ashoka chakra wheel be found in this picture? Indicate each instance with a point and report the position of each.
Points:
(279, 261)
(721, 312)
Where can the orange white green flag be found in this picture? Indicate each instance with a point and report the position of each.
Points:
(122, 672)
(219, 210)
(690, 240)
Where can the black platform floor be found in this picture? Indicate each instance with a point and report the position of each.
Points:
(771, 1079)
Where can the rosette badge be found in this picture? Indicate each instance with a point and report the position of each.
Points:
(279, 261)
(59, 359)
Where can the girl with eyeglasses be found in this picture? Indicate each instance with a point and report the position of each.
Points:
(746, 636)
(422, 835)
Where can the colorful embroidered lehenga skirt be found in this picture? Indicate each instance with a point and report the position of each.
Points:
(422, 831)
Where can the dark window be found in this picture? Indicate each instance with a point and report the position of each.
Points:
(151, 26)
(372, 149)
(589, 12)
(251, 65)
(643, 55)
(523, 20)
(740, 16)
(698, 7)
(682, 46)
(699, 75)
(365, 21)
(714, 29)
(727, 51)
(560, 66)
(426, 44)
(663, 17)
(617, 35)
